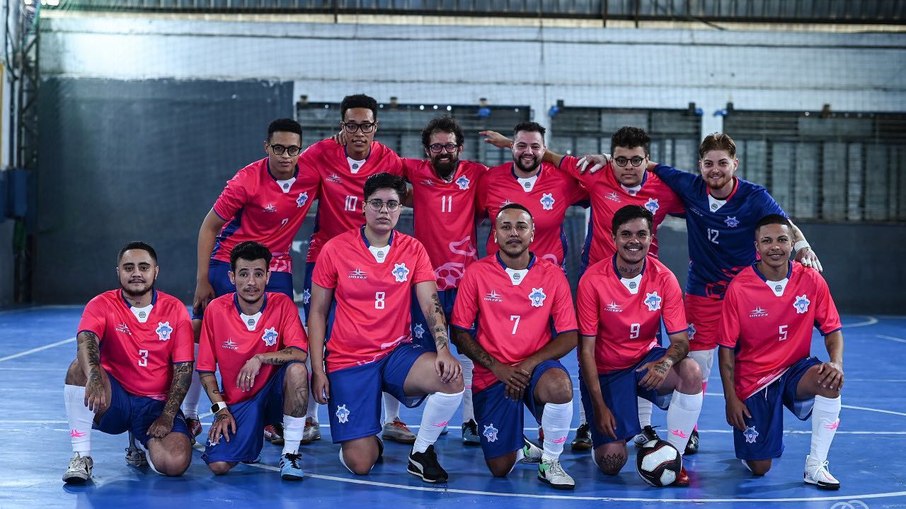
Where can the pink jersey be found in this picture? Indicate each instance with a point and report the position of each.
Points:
(257, 207)
(625, 324)
(373, 298)
(140, 355)
(553, 192)
(772, 332)
(514, 321)
(445, 220)
(228, 341)
(608, 196)
(341, 194)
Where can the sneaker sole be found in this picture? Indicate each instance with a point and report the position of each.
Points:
(580, 446)
(291, 477)
(76, 480)
(470, 441)
(421, 476)
(398, 439)
(306, 441)
(823, 485)
(557, 486)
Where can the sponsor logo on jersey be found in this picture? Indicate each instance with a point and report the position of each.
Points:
(612, 196)
(613, 307)
(758, 312)
(124, 329)
(358, 274)
(271, 208)
(334, 178)
(229, 344)
(493, 296)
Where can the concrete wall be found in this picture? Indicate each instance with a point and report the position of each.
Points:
(144, 118)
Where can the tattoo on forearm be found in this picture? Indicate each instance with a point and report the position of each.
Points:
(676, 352)
(90, 343)
(437, 324)
(471, 349)
(182, 378)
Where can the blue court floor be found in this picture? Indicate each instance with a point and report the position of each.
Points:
(868, 455)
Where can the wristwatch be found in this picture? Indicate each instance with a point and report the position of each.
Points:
(216, 407)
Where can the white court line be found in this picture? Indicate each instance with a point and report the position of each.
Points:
(586, 498)
(891, 412)
(892, 338)
(34, 350)
(870, 320)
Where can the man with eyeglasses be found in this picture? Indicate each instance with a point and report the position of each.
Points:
(444, 190)
(265, 202)
(342, 169)
(371, 273)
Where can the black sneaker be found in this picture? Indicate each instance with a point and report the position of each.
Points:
(692, 445)
(470, 433)
(648, 434)
(582, 442)
(425, 465)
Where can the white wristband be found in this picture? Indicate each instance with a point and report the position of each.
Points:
(802, 244)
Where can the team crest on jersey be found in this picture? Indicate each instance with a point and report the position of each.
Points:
(691, 331)
(271, 208)
(751, 434)
(612, 196)
(547, 201)
(652, 205)
(463, 183)
(124, 329)
(229, 344)
(163, 331)
(731, 222)
(493, 296)
(490, 433)
(333, 177)
(306, 296)
(537, 297)
(342, 414)
(400, 272)
(801, 304)
(653, 301)
(758, 312)
(419, 331)
(613, 307)
(270, 336)
(302, 199)
(357, 273)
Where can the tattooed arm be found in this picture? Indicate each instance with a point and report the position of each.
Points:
(658, 369)
(246, 377)
(224, 423)
(445, 365)
(97, 392)
(515, 378)
(182, 378)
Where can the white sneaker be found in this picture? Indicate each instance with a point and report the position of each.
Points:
(552, 473)
(79, 470)
(311, 432)
(816, 473)
(531, 453)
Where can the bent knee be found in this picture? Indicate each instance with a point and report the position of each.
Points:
(759, 467)
(556, 387)
(359, 467)
(690, 372)
(297, 370)
(75, 375)
(453, 387)
(220, 467)
(609, 461)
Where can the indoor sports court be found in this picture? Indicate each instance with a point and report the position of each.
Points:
(121, 120)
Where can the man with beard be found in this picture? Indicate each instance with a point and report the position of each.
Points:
(545, 190)
(371, 273)
(256, 340)
(503, 319)
(132, 369)
(621, 302)
(444, 190)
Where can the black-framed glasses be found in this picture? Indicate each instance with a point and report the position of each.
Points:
(291, 151)
(438, 147)
(377, 204)
(623, 161)
(352, 127)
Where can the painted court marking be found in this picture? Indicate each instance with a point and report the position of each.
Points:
(38, 349)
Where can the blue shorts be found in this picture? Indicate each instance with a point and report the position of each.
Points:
(128, 412)
(763, 437)
(421, 333)
(219, 277)
(354, 407)
(501, 420)
(250, 416)
(620, 389)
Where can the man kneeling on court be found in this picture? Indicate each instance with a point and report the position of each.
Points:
(515, 299)
(257, 341)
(132, 370)
(622, 301)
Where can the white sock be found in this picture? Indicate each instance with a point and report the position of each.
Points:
(190, 404)
(555, 421)
(80, 419)
(292, 433)
(468, 411)
(645, 408)
(312, 411)
(825, 420)
(439, 409)
(681, 418)
(391, 408)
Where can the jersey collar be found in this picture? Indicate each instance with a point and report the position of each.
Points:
(531, 261)
(368, 244)
(239, 309)
(789, 270)
(513, 171)
(732, 192)
(129, 305)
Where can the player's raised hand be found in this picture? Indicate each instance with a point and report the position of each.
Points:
(320, 387)
(605, 422)
(340, 137)
(830, 376)
(496, 139)
(807, 257)
(224, 424)
(446, 367)
(97, 392)
(204, 294)
(592, 163)
(737, 412)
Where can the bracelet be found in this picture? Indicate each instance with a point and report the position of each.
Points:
(802, 244)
